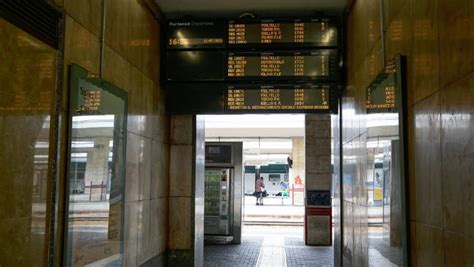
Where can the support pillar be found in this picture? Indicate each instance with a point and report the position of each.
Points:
(186, 206)
(97, 169)
(297, 173)
(318, 177)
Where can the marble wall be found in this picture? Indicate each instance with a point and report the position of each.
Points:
(186, 202)
(27, 87)
(336, 188)
(131, 62)
(437, 37)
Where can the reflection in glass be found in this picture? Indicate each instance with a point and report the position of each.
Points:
(96, 176)
(27, 84)
(385, 174)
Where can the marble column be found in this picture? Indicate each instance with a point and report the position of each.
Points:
(186, 206)
(318, 177)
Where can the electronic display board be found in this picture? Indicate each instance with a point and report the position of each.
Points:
(196, 34)
(281, 32)
(195, 65)
(283, 98)
(317, 64)
(195, 98)
(253, 66)
(381, 93)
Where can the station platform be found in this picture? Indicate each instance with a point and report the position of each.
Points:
(275, 210)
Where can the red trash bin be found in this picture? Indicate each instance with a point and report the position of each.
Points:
(318, 226)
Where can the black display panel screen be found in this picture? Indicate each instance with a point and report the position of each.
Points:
(195, 65)
(318, 64)
(219, 154)
(196, 34)
(278, 98)
(276, 32)
(195, 98)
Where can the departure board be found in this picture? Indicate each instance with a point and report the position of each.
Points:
(196, 65)
(309, 32)
(196, 34)
(227, 66)
(289, 98)
(381, 93)
(319, 64)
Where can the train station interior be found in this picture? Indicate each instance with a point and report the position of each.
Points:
(236, 133)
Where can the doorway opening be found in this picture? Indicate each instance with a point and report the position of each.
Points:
(270, 142)
(272, 232)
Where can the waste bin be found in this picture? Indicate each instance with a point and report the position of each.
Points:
(318, 218)
(318, 228)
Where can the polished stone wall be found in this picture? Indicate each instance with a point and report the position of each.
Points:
(186, 202)
(437, 38)
(336, 188)
(131, 62)
(27, 88)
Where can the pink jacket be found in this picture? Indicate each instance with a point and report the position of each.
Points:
(260, 184)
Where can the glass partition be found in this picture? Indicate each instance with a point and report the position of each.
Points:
(97, 142)
(386, 173)
(27, 96)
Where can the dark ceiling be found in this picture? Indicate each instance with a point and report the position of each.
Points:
(260, 8)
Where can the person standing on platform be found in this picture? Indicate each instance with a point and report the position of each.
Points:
(259, 191)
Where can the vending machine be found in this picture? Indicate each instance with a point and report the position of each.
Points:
(216, 201)
(223, 189)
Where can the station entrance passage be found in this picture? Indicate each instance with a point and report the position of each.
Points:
(272, 233)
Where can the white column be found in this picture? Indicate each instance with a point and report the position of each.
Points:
(97, 168)
(297, 172)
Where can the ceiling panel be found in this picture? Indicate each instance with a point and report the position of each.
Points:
(261, 8)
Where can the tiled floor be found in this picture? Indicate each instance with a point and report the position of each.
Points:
(269, 246)
(380, 251)
(245, 254)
